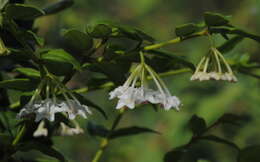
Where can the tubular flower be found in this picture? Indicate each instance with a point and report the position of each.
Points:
(213, 66)
(48, 107)
(68, 131)
(41, 131)
(130, 94)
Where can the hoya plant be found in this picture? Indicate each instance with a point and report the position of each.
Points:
(40, 103)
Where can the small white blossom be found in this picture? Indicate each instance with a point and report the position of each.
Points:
(74, 108)
(203, 72)
(41, 131)
(68, 131)
(129, 95)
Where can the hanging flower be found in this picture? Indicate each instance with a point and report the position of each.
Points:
(41, 131)
(48, 107)
(130, 94)
(68, 131)
(213, 66)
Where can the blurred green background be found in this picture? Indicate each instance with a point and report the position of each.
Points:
(207, 99)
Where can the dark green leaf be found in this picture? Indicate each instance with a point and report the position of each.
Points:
(100, 31)
(3, 3)
(219, 140)
(230, 44)
(231, 119)
(130, 131)
(23, 11)
(97, 130)
(175, 155)
(43, 148)
(249, 154)
(5, 140)
(19, 84)
(30, 72)
(186, 29)
(60, 62)
(232, 30)
(215, 19)
(78, 39)
(177, 59)
(85, 101)
(32, 36)
(197, 125)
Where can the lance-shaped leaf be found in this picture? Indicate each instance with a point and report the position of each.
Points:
(232, 119)
(186, 29)
(248, 154)
(215, 19)
(232, 30)
(43, 148)
(219, 140)
(78, 39)
(30, 72)
(197, 125)
(97, 130)
(21, 84)
(99, 31)
(23, 11)
(178, 59)
(175, 155)
(3, 3)
(130, 131)
(59, 61)
(230, 44)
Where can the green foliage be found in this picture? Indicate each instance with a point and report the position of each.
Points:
(36, 67)
(23, 11)
(78, 39)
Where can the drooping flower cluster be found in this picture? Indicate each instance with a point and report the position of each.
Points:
(213, 66)
(130, 94)
(63, 130)
(48, 107)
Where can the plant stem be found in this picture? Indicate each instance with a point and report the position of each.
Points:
(104, 142)
(175, 40)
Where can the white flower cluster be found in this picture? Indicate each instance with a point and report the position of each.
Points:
(211, 67)
(47, 108)
(130, 94)
(63, 130)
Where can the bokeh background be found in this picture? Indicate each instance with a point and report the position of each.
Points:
(207, 99)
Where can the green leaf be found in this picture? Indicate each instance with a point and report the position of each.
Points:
(232, 30)
(220, 140)
(3, 3)
(78, 39)
(59, 62)
(197, 125)
(23, 11)
(130, 131)
(100, 31)
(175, 155)
(177, 59)
(43, 148)
(230, 44)
(231, 119)
(186, 29)
(215, 19)
(5, 140)
(21, 84)
(85, 101)
(30, 72)
(32, 36)
(97, 130)
(249, 154)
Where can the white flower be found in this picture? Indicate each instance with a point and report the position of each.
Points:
(41, 131)
(129, 94)
(44, 109)
(68, 131)
(74, 108)
(205, 69)
(47, 108)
